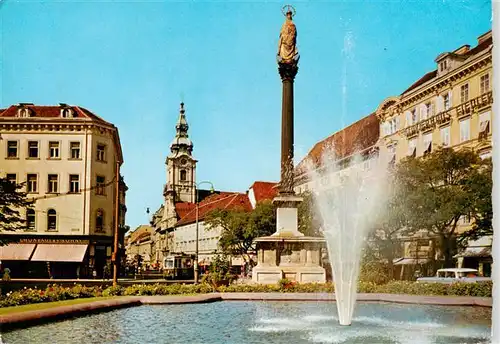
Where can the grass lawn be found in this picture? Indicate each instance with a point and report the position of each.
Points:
(45, 305)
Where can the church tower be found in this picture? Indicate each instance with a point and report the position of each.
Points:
(181, 166)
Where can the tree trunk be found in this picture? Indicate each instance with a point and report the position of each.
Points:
(447, 250)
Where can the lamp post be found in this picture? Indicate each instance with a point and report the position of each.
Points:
(196, 270)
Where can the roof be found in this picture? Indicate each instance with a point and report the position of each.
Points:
(358, 136)
(45, 112)
(264, 190)
(224, 200)
(183, 208)
(486, 40)
(51, 111)
(139, 233)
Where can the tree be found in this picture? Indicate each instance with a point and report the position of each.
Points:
(240, 228)
(383, 243)
(309, 221)
(12, 199)
(481, 185)
(438, 189)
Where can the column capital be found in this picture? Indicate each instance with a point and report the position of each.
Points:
(288, 71)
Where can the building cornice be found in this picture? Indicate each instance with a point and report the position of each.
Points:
(434, 86)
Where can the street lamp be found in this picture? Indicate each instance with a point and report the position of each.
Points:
(196, 270)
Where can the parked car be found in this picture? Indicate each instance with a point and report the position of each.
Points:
(452, 275)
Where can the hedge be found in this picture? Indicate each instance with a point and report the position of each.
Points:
(58, 293)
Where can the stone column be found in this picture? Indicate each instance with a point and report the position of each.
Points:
(287, 71)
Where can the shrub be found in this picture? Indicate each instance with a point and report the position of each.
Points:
(113, 291)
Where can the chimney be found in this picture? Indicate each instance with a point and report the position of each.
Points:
(484, 37)
(462, 50)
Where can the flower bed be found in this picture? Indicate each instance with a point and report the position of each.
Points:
(58, 293)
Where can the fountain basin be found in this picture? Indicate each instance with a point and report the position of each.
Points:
(267, 322)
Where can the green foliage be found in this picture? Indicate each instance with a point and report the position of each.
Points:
(309, 222)
(374, 272)
(12, 200)
(438, 189)
(240, 227)
(50, 294)
(219, 271)
(58, 293)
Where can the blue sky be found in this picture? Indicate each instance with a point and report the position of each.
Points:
(133, 62)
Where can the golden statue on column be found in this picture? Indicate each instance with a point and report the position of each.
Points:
(287, 45)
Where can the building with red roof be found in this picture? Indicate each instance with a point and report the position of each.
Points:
(67, 156)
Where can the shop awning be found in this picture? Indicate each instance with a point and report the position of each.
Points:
(59, 253)
(410, 261)
(16, 251)
(479, 252)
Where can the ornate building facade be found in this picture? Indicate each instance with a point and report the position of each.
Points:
(447, 107)
(68, 158)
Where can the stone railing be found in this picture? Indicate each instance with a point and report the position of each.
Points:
(444, 116)
(429, 123)
(475, 104)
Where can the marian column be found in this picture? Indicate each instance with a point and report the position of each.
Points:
(288, 60)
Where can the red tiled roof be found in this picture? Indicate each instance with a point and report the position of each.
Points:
(223, 200)
(264, 190)
(183, 208)
(359, 136)
(42, 111)
(431, 75)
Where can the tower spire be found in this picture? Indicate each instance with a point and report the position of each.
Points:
(181, 142)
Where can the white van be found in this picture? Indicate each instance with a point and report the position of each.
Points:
(451, 275)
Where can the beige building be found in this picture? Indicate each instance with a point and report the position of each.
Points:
(68, 159)
(140, 243)
(448, 107)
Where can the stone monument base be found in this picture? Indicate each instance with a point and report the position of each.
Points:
(295, 258)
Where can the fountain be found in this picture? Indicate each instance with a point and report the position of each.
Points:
(348, 200)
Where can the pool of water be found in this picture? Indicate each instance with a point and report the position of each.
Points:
(267, 322)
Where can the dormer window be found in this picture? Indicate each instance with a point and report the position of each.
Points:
(443, 65)
(24, 112)
(67, 113)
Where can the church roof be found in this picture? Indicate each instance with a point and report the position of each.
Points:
(183, 208)
(223, 200)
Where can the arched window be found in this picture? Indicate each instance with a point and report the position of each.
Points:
(99, 220)
(30, 219)
(51, 220)
(183, 175)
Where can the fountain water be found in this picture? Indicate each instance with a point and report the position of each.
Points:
(349, 201)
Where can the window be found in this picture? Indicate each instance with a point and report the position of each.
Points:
(12, 149)
(11, 177)
(183, 175)
(445, 136)
(32, 185)
(51, 220)
(414, 116)
(446, 101)
(52, 183)
(427, 138)
(99, 220)
(100, 186)
(101, 152)
(484, 83)
(54, 150)
(464, 130)
(430, 109)
(464, 93)
(30, 219)
(75, 150)
(484, 124)
(33, 149)
(443, 65)
(74, 183)
(412, 147)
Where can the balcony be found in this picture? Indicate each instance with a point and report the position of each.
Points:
(444, 116)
